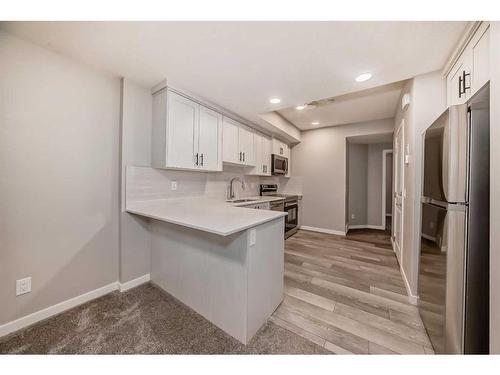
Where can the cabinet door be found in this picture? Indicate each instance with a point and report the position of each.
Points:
(246, 145)
(266, 155)
(230, 142)
(259, 169)
(182, 116)
(455, 82)
(480, 58)
(209, 140)
(289, 171)
(278, 147)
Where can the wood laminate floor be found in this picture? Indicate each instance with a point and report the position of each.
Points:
(347, 295)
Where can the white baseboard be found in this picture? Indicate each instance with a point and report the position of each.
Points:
(411, 298)
(379, 227)
(30, 319)
(322, 230)
(135, 282)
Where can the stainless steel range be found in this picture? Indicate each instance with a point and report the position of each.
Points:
(289, 205)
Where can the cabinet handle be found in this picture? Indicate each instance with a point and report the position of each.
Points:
(462, 85)
(201, 162)
(281, 150)
(240, 156)
(196, 159)
(243, 157)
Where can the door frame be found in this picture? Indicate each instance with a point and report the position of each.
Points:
(384, 184)
(398, 168)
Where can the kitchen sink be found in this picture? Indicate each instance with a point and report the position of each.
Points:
(242, 200)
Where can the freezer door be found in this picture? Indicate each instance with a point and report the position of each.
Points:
(445, 157)
(440, 282)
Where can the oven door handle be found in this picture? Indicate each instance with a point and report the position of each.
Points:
(291, 206)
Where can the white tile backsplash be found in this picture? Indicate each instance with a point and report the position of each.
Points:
(144, 183)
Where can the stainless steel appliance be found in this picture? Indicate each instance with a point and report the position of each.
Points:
(279, 165)
(289, 204)
(453, 283)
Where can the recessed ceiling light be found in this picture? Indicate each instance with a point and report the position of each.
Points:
(363, 77)
(300, 107)
(315, 123)
(275, 100)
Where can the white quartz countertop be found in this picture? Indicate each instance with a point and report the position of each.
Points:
(222, 218)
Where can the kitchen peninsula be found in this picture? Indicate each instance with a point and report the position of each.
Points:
(224, 262)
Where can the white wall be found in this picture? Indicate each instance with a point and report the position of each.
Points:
(136, 127)
(59, 135)
(320, 160)
(428, 101)
(495, 188)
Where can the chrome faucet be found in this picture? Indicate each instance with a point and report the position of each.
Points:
(231, 190)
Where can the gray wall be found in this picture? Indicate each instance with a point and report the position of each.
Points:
(136, 123)
(59, 135)
(428, 101)
(358, 176)
(374, 185)
(365, 183)
(320, 160)
(495, 188)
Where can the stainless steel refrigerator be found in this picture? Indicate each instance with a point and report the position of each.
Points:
(453, 285)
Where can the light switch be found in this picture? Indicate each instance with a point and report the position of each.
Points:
(173, 185)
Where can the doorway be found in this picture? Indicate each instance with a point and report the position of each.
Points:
(387, 190)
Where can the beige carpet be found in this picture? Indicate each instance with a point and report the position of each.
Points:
(145, 320)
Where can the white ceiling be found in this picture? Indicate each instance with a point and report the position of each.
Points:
(240, 65)
(372, 104)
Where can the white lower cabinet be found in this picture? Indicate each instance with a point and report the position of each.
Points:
(186, 135)
(238, 143)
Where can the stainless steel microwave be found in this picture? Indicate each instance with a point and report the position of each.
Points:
(279, 165)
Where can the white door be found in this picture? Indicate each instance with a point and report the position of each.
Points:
(230, 143)
(182, 121)
(266, 155)
(397, 234)
(246, 146)
(209, 140)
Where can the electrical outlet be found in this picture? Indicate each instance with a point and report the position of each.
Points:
(173, 185)
(252, 237)
(353, 216)
(23, 286)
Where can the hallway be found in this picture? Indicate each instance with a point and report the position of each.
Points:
(347, 295)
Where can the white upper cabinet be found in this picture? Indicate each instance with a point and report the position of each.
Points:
(458, 80)
(182, 115)
(231, 148)
(209, 140)
(246, 145)
(262, 151)
(186, 135)
(280, 148)
(480, 56)
(238, 143)
(471, 70)
(266, 155)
